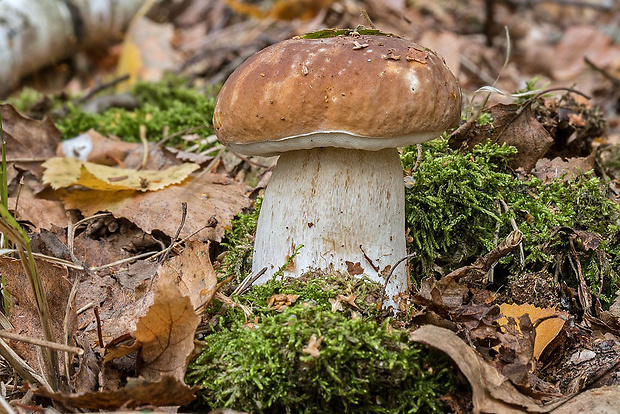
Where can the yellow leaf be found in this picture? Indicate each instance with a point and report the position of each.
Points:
(64, 172)
(546, 331)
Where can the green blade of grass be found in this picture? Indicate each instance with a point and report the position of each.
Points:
(16, 234)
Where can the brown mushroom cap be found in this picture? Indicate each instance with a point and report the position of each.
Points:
(351, 91)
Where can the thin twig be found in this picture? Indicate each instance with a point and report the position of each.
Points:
(217, 288)
(615, 81)
(180, 133)
(6, 407)
(100, 88)
(249, 161)
(247, 283)
(211, 223)
(122, 261)
(418, 161)
(99, 330)
(178, 232)
(42, 343)
(389, 276)
(21, 367)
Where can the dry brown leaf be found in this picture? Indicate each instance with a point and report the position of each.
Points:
(24, 314)
(546, 331)
(354, 268)
(336, 304)
(547, 169)
(28, 141)
(138, 392)
(207, 195)
(492, 392)
(44, 214)
(604, 400)
(64, 172)
(166, 333)
(509, 126)
(164, 321)
(312, 348)
(193, 271)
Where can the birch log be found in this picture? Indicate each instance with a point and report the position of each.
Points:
(35, 33)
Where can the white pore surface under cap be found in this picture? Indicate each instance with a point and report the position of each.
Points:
(337, 139)
(343, 206)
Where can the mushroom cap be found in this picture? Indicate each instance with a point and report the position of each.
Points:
(360, 91)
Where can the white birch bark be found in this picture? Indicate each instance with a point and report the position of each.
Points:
(35, 33)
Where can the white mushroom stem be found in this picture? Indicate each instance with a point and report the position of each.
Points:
(343, 206)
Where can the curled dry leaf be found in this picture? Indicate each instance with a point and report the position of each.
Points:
(64, 172)
(138, 392)
(492, 392)
(164, 322)
(166, 332)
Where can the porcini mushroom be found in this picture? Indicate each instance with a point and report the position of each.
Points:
(335, 105)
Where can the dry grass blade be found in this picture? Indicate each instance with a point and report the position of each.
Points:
(16, 234)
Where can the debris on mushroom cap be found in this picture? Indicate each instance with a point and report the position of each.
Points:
(372, 91)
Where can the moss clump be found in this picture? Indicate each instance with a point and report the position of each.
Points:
(362, 366)
(166, 103)
(239, 243)
(456, 211)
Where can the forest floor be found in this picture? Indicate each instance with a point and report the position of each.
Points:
(134, 263)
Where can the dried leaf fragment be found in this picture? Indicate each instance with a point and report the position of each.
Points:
(546, 331)
(312, 348)
(280, 301)
(138, 392)
(417, 55)
(354, 268)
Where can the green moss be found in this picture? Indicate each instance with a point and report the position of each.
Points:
(239, 243)
(318, 289)
(325, 33)
(162, 104)
(363, 367)
(26, 98)
(454, 212)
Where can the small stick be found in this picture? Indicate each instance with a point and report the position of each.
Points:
(85, 308)
(6, 407)
(248, 282)
(179, 133)
(249, 161)
(211, 223)
(99, 331)
(42, 343)
(418, 161)
(615, 81)
(101, 87)
(176, 235)
(217, 288)
(389, 276)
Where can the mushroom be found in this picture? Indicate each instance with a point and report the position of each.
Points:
(335, 108)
